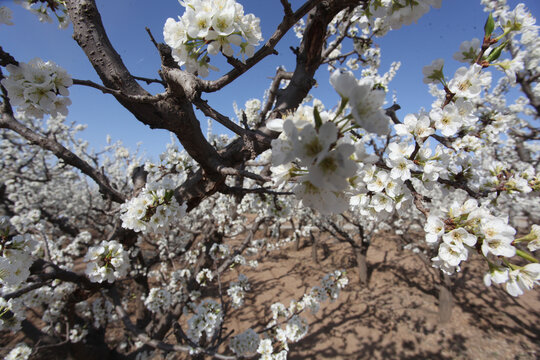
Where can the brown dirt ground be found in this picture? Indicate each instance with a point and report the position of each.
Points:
(395, 316)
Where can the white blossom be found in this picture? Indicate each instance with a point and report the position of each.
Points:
(107, 261)
(523, 279)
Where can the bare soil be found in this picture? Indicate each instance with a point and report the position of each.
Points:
(396, 316)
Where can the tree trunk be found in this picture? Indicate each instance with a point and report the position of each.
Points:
(362, 266)
(445, 300)
(314, 247)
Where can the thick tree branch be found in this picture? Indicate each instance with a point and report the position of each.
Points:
(45, 271)
(26, 289)
(309, 54)
(174, 113)
(287, 8)
(281, 75)
(241, 191)
(90, 34)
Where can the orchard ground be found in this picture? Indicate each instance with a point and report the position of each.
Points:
(396, 316)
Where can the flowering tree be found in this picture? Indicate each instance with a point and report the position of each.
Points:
(461, 170)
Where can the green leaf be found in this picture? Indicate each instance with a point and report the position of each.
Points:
(489, 26)
(494, 55)
(342, 104)
(317, 116)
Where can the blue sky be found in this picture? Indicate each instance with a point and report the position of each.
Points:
(437, 35)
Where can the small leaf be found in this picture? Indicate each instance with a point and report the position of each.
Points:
(317, 116)
(342, 104)
(494, 55)
(489, 26)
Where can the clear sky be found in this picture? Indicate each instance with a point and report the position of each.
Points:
(437, 35)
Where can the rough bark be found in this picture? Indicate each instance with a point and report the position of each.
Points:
(445, 300)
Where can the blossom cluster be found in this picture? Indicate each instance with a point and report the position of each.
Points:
(266, 349)
(158, 300)
(204, 276)
(388, 15)
(517, 278)
(311, 152)
(251, 114)
(11, 314)
(245, 344)
(365, 99)
(77, 334)
(208, 27)
(45, 10)
(19, 352)
(38, 88)
(237, 290)
(172, 160)
(15, 255)
(107, 261)
(465, 227)
(275, 343)
(507, 179)
(325, 158)
(99, 311)
(331, 168)
(334, 159)
(5, 15)
(219, 251)
(153, 209)
(207, 318)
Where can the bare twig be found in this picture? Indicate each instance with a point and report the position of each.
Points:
(222, 119)
(135, 98)
(418, 199)
(281, 74)
(240, 191)
(391, 112)
(149, 81)
(340, 38)
(24, 290)
(6, 59)
(243, 173)
(242, 247)
(45, 271)
(287, 7)
(152, 38)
